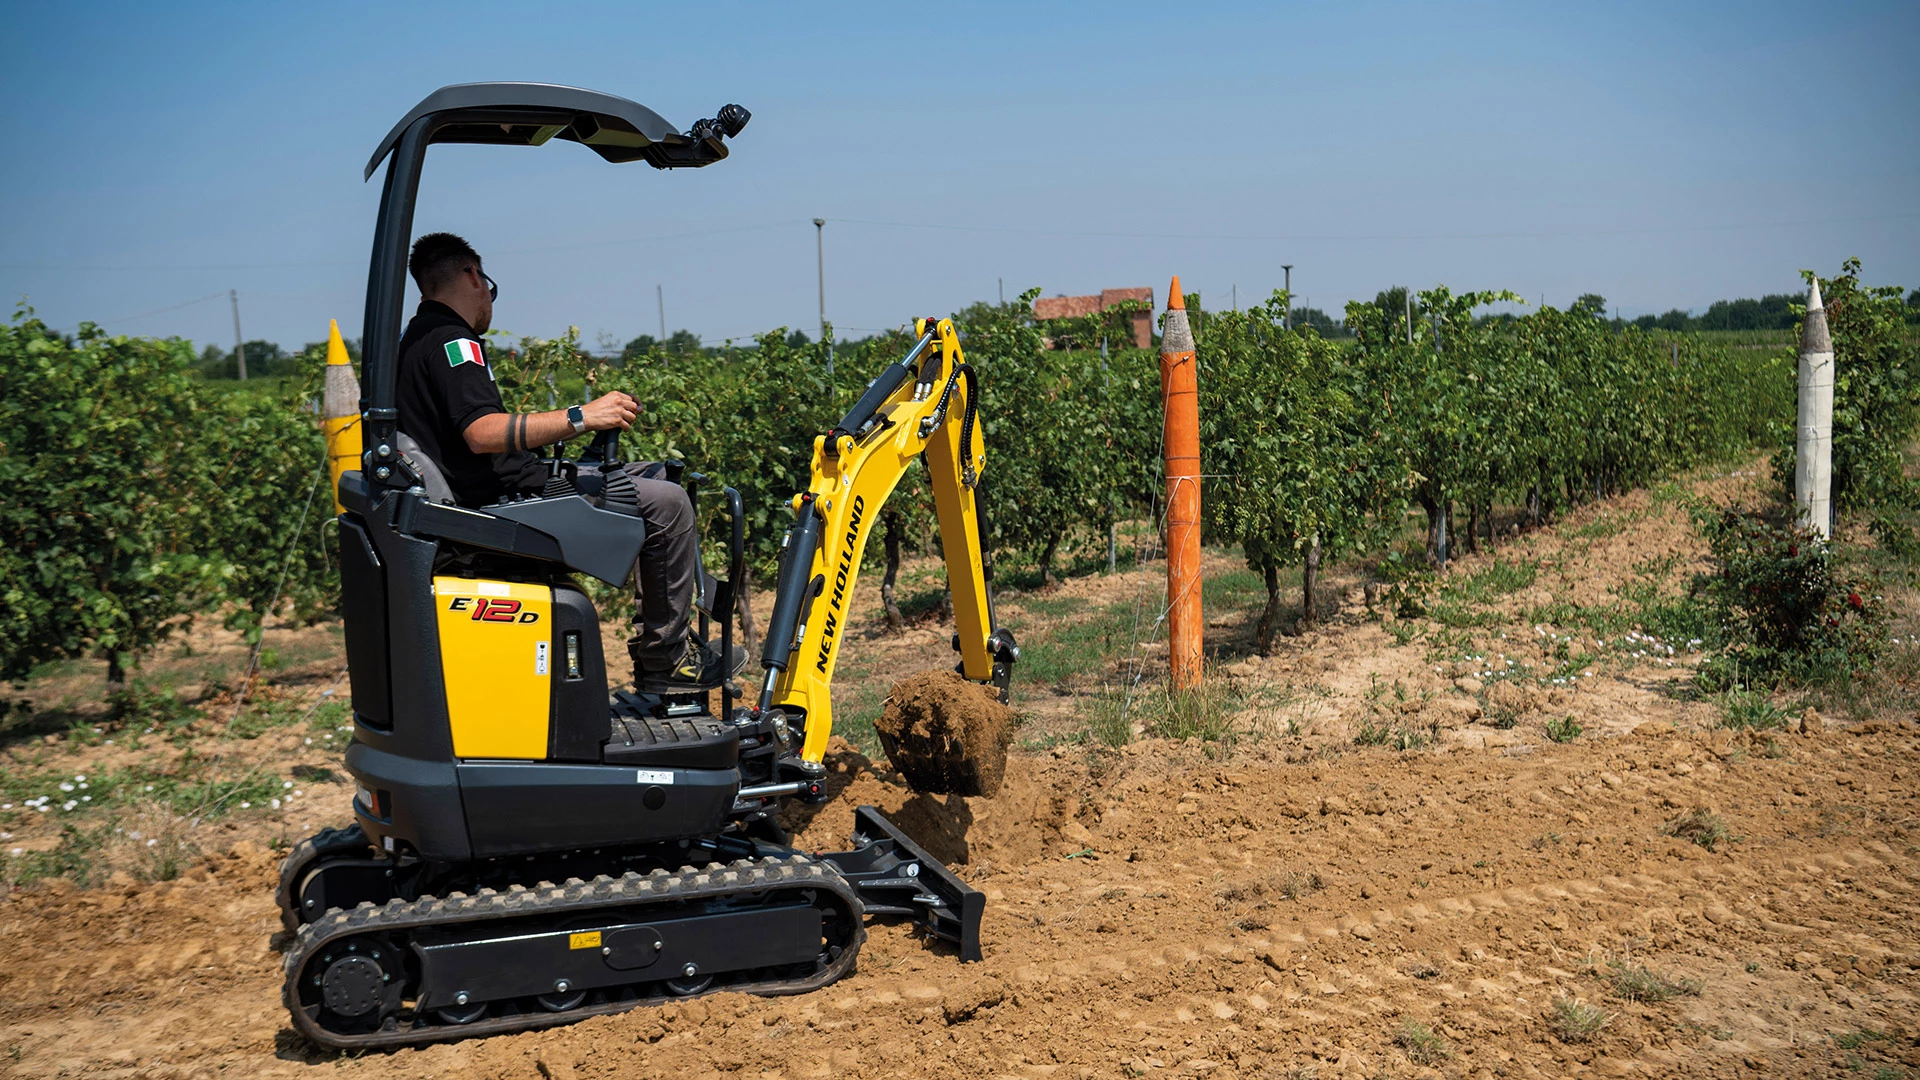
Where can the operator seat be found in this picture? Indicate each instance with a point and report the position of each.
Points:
(431, 478)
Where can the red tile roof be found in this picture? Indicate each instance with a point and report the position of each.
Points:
(1068, 307)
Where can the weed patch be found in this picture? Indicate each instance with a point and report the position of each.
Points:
(1564, 730)
(1636, 983)
(1392, 736)
(1573, 1021)
(1750, 710)
(1703, 827)
(1423, 1047)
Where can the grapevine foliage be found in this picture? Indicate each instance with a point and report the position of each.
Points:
(140, 495)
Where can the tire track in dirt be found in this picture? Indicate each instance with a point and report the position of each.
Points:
(1461, 890)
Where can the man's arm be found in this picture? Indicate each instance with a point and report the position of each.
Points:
(499, 432)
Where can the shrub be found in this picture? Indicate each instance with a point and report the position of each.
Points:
(1784, 610)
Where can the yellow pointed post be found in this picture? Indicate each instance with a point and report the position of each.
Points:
(341, 411)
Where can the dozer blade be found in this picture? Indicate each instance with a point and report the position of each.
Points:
(946, 735)
(895, 876)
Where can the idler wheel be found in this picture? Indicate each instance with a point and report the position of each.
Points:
(354, 986)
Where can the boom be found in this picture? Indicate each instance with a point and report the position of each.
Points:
(926, 403)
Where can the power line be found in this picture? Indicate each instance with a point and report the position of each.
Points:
(694, 234)
(1268, 238)
(164, 310)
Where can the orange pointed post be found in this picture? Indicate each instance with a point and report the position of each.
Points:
(1180, 402)
(340, 418)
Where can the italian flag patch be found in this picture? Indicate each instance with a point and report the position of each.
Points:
(464, 351)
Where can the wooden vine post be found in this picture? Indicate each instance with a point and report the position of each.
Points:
(1179, 397)
(1813, 442)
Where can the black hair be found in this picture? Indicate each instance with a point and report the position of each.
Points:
(437, 259)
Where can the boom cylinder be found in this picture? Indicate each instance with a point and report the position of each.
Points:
(792, 590)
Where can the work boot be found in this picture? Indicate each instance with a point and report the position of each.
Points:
(699, 668)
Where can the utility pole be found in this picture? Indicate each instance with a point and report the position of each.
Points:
(1288, 267)
(239, 350)
(1236, 297)
(660, 297)
(820, 257)
(1003, 292)
(1407, 295)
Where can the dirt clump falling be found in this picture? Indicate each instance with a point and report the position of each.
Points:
(945, 734)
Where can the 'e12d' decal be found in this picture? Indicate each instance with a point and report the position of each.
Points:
(493, 609)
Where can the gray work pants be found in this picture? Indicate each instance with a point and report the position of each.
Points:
(663, 575)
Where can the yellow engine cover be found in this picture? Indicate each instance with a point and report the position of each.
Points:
(496, 655)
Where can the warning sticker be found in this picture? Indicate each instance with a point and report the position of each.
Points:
(539, 658)
(588, 939)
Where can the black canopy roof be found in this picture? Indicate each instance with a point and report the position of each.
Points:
(529, 114)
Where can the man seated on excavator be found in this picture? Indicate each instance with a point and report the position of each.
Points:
(450, 407)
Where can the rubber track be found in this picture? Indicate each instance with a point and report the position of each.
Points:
(712, 882)
(304, 855)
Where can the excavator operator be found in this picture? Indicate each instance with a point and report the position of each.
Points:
(451, 409)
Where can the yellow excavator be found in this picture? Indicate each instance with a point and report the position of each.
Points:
(527, 848)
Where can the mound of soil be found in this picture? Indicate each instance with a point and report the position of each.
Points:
(946, 735)
(1024, 823)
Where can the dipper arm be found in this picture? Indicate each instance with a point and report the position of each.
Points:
(926, 404)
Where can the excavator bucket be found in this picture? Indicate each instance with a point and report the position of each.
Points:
(947, 735)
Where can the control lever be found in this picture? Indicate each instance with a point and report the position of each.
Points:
(604, 449)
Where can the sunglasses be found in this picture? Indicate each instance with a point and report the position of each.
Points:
(493, 291)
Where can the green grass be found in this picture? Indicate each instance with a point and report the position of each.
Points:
(1604, 525)
(1564, 730)
(1238, 590)
(1750, 710)
(1497, 579)
(1060, 652)
(1391, 736)
(1052, 607)
(1108, 719)
(1854, 1040)
(1205, 713)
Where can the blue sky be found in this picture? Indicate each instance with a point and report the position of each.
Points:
(1659, 154)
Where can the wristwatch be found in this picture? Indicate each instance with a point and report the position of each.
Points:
(577, 418)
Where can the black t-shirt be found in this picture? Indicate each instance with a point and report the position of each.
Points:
(446, 383)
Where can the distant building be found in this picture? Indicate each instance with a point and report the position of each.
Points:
(1071, 307)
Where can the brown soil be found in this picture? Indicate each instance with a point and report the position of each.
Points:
(946, 734)
(1290, 905)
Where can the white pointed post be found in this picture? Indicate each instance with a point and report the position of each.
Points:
(1813, 442)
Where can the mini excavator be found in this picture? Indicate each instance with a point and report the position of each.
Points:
(527, 849)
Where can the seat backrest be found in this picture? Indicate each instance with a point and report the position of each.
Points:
(431, 478)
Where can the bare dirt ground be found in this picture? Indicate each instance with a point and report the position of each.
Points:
(1387, 867)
